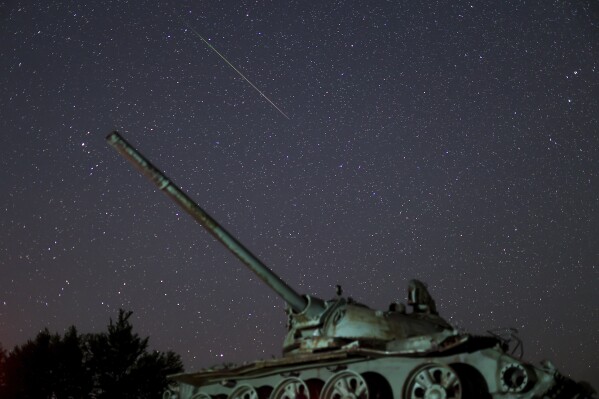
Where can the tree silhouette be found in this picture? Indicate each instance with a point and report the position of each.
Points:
(112, 364)
(73, 378)
(29, 368)
(2, 370)
(122, 366)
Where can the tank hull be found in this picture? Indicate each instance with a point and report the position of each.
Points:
(362, 374)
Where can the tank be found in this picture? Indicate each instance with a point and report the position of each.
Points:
(342, 349)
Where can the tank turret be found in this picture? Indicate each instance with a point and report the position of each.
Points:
(314, 324)
(341, 349)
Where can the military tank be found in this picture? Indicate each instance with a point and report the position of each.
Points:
(342, 349)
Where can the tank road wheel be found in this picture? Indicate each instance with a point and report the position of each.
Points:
(244, 392)
(434, 381)
(291, 388)
(345, 385)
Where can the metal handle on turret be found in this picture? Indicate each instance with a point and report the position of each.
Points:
(297, 302)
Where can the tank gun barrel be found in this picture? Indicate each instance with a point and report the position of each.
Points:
(296, 301)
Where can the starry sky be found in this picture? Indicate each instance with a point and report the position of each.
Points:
(453, 142)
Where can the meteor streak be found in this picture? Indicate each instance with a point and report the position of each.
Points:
(231, 65)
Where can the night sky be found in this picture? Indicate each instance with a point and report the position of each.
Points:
(454, 142)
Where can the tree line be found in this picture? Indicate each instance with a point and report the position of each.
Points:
(111, 364)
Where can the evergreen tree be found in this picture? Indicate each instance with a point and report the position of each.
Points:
(73, 378)
(122, 366)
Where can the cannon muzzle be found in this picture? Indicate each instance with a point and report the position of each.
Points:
(296, 301)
